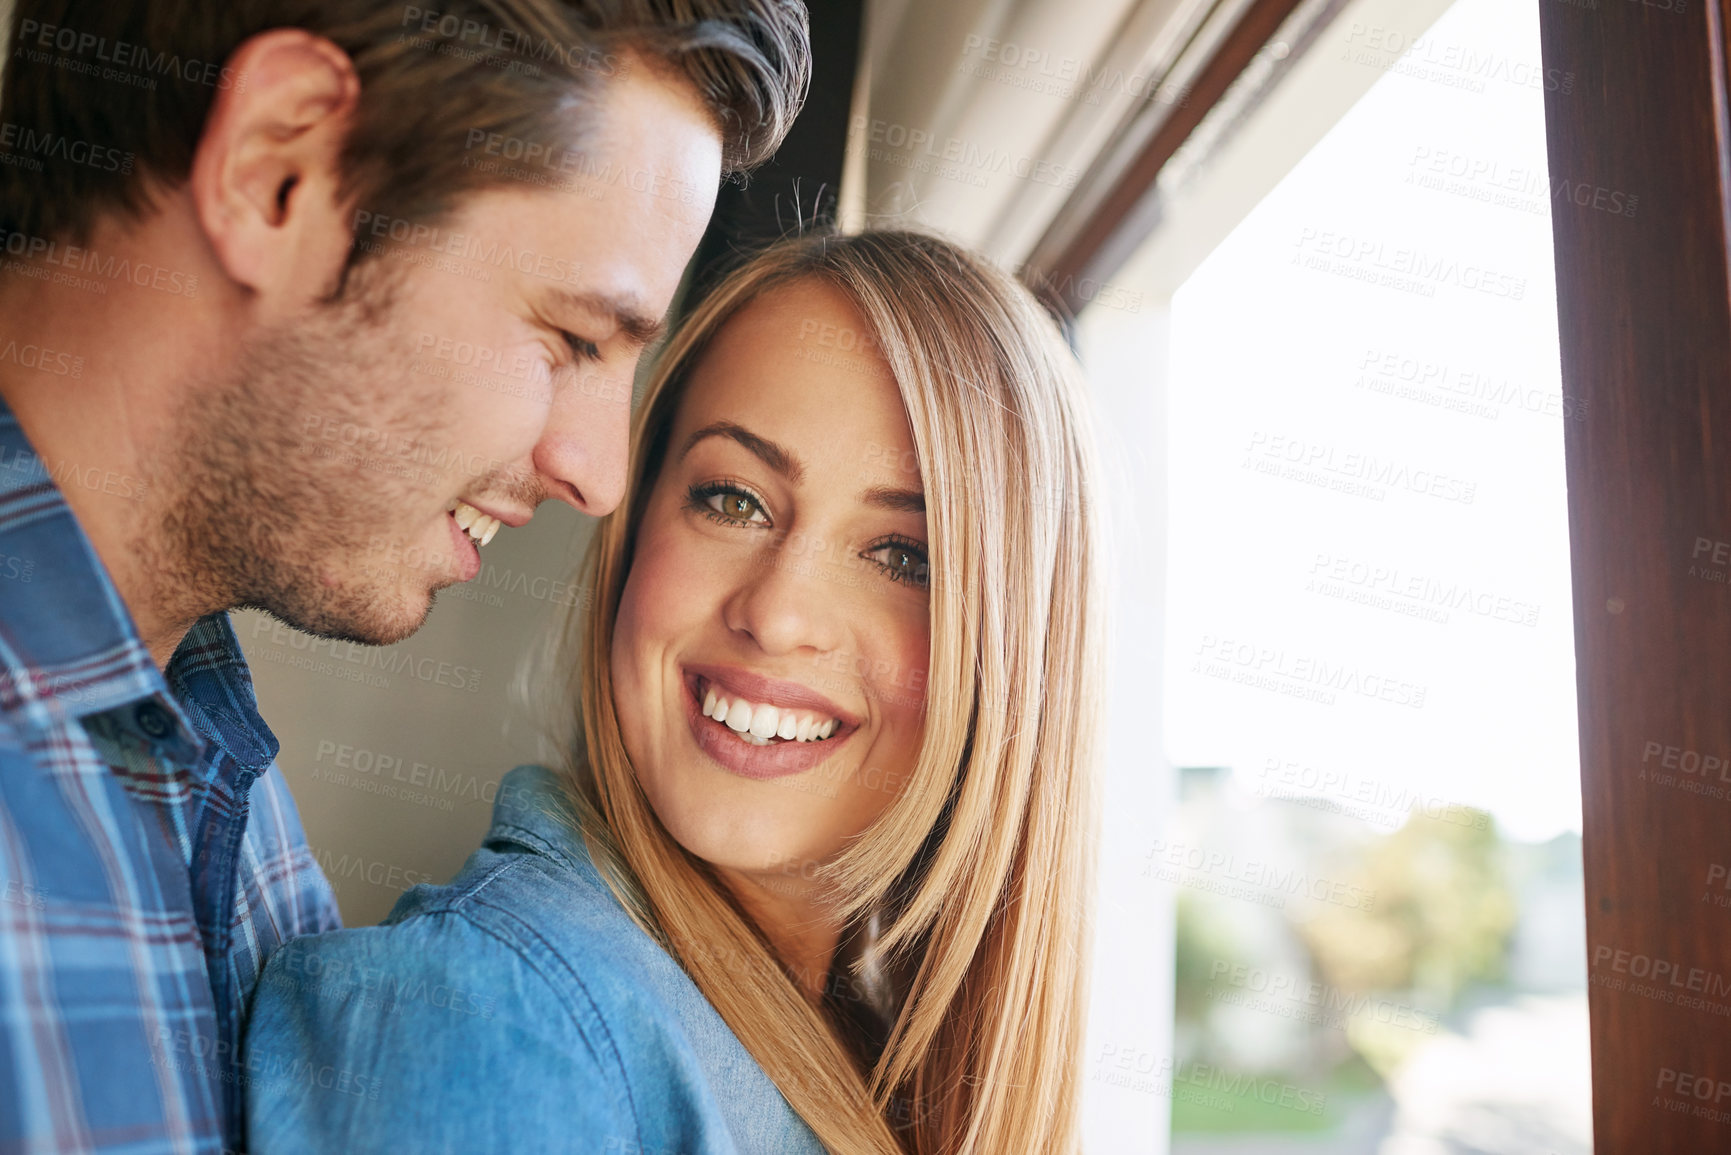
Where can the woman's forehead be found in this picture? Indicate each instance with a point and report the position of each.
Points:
(798, 364)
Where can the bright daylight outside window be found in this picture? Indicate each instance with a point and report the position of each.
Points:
(1376, 854)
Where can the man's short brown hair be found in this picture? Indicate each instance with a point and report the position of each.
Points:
(105, 100)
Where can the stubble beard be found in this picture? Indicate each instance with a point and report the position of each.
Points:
(265, 506)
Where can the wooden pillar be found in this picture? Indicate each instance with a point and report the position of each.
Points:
(1636, 113)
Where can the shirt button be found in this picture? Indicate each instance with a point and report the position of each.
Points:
(154, 720)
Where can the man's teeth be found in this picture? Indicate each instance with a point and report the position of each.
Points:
(473, 522)
(761, 725)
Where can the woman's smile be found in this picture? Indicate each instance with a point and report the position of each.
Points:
(759, 727)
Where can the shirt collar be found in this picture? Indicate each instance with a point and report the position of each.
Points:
(533, 808)
(212, 681)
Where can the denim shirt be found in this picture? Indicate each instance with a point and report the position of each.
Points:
(516, 1009)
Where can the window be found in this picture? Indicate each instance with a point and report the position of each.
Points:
(1374, 868)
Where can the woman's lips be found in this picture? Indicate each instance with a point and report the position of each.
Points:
(735, 681)
(737, 756)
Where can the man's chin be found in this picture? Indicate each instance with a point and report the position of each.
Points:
(382, 620)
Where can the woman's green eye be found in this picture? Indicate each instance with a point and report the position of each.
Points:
(725, 503)
(902, 563)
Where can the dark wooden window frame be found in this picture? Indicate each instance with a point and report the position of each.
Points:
(1645, 319)
(1114, 210)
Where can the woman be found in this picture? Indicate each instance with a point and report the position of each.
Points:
(817, 875)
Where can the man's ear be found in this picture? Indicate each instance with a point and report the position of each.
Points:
(265, 177)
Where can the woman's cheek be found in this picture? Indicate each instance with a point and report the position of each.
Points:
(681, 571)
(914, 663)
(627, 676)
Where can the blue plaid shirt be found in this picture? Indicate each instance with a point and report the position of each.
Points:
(151, 858)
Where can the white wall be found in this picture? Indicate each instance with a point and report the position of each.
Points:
(392, 756)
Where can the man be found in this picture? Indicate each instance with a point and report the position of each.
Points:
(300, 300)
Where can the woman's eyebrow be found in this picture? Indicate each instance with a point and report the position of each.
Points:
(778, 457)
(898, 500)
(787, 463)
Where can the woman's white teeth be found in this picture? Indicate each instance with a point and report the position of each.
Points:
(472, 521)
(760, 725)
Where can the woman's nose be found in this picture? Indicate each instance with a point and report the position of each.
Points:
(790, 599)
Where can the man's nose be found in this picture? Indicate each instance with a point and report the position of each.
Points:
(581, 457)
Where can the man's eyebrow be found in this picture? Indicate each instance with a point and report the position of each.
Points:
(898, 500)
(638, 326)
(779, 458)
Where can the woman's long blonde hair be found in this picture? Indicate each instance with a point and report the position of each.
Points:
(980, 874)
